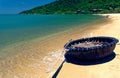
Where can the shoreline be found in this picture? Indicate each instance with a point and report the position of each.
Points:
(46, 38)
(28, 60)
(109, 69)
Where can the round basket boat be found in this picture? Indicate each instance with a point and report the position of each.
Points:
(90, 48)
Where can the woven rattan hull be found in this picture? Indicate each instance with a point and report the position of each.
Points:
(92, 53)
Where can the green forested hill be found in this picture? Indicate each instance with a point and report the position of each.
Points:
(77, 7)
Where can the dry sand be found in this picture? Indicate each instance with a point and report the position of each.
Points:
(109, 69)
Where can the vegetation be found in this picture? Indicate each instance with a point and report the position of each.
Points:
(77, 7)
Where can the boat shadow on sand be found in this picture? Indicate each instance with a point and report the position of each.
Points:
(93, 62)
(86, 63)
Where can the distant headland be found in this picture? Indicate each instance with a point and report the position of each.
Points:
(77, 7)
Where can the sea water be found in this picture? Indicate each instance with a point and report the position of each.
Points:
(16, 28)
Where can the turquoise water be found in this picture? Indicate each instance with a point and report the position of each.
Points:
(16, 28)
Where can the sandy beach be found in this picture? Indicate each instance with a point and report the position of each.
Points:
(31, 60)
(110, 69)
